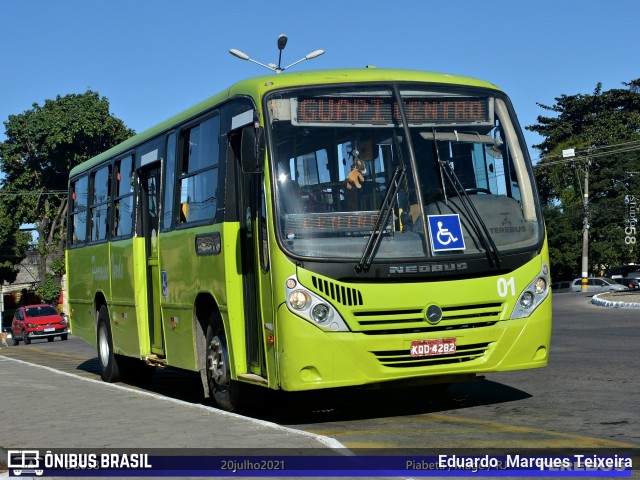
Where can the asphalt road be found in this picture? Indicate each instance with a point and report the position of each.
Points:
(586, 397)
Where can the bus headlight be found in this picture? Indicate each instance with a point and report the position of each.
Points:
(314, 309)
(321, 313)
(298, 300)
(526, 300)
(540, 285)
(533, 294)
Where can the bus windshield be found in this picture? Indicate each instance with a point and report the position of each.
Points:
(336, 153)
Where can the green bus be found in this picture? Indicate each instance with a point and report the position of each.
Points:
(315, 230)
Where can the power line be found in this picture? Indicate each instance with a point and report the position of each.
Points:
(30, 192)
(592, 153)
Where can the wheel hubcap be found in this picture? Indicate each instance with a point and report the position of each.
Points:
(216, 364)
(103, 347)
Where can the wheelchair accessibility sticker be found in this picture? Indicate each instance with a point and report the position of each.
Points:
(445, 232)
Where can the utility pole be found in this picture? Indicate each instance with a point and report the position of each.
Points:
(569, 153)
(1, 306)
(585, 227)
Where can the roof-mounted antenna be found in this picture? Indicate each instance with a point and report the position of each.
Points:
(282, 42)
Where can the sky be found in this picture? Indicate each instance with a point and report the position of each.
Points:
(155, 58)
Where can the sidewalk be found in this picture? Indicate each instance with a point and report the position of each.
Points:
(46, 408)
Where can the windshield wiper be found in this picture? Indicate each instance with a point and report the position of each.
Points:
(383, 219)
(479, 227)
(399, 176)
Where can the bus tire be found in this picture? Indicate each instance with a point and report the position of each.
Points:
(109, 371)
(224, 391)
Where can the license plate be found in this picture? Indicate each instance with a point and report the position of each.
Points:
(437, 346)
(49, 329)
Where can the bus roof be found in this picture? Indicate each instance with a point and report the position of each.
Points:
(258, 86)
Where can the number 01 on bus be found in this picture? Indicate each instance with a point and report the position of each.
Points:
(315, 230)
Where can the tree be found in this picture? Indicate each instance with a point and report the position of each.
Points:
(49, 290)
(604, 128)
(43, 144)
(13, 245)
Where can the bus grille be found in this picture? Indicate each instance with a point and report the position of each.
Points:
(403, 359)
(413, 320)
(339, 293)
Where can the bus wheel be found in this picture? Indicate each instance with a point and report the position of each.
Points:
(223, 390)
(109, 371)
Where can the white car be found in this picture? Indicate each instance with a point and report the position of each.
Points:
(597, 284)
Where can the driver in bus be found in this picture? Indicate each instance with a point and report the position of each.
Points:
(360, 193)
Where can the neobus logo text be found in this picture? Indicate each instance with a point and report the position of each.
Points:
(427, 268)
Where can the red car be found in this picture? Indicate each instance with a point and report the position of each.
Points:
(38, 321)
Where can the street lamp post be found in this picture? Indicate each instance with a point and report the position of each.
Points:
(282, 42)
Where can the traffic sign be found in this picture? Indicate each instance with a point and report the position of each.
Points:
(445, 232)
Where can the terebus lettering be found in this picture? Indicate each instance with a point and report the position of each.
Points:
(500, 230)
(117, 268)
(427, 268)
(99, 272)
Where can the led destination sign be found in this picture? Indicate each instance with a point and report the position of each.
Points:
(333, 224)
(385, 111)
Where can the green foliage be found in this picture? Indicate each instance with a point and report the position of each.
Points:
(49, 291)
(57, 266)
(602, 118)
(604, 128)
(43, 144)
(13, 245)
(565, 243)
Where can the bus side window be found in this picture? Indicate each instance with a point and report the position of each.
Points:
(170, 179)
(99, 207)
(79, 197)
(199, 171)
(123, 203)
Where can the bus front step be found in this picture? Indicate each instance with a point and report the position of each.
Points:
(253, 378)
(155, 361)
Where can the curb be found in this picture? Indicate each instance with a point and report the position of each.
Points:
(596, 300)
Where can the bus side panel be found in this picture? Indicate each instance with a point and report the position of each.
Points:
(232, 285)
(122, 304)
(79, 296)
(87, 276)
(140, 293)
(187, 274)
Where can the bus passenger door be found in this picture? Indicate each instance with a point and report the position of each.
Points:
(252, 311)
(248, 204)
(150, 211)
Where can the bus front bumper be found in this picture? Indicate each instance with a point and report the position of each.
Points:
(310, 358)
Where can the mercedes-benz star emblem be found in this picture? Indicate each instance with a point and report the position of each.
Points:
(434, 314)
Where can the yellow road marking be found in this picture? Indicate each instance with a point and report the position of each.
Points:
(553, 439)
(60, 354)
